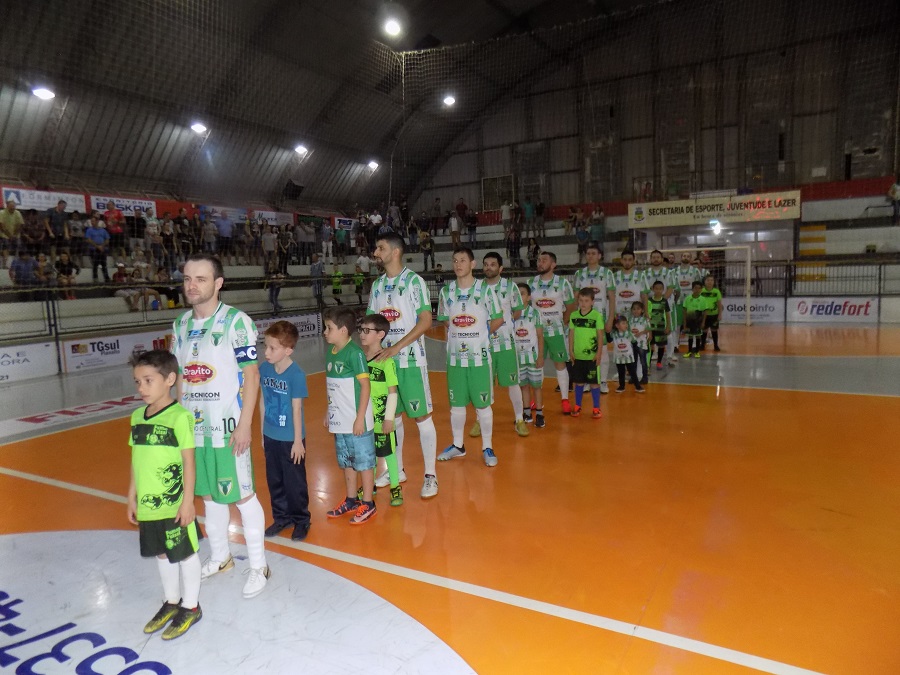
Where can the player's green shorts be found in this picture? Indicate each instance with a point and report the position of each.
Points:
(474, 385)
(222, 476)
(531, 375)
(414, 391)
(679, 315)
(556, 349)
(506, 368)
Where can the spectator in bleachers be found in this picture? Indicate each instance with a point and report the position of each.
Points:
(22, 274)
(10, 223)
(33, 233)
(423, 222)
(328, 241)
(210, 236)
(571, 220)
(184, 240)
(196, 233)
(582, 236)
(269, 248)
(506, 216)
(426, 245)
(139, 282)
(45, 275)
(56, 223)
(285, 249)
(340, 243)
(472, 226)
(514, 247)
(254, 241)
(154, 248)
(165, 286)
(528, 209)
(598, 224)
(169, 250)
(97, 239)
(130, 295)
(404, 208)
(393, 215)
(115, 228)
(317, 272)
(135, 229)
(66, 275)
(455, 228)
(539, 226)
(413, 230)
(518, 217)
(139, 259)
(437, 215)
(534, 250)
(225, 229)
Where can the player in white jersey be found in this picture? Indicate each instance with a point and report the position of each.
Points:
(472, 313)
(630, 285)
(683, 277)
(402, 297)
(599, 278)
(503, 347)
(219, 381)
(659, 272)
(552, 296)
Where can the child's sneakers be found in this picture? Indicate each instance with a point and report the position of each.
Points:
(349, 505)
(539, 422)
(364, 512)
(566, 407)
(620, 390)
(184, 618)
(162, 617)
(490, 459)
(596, 414)
(639, 389)
(526, 416)
(576, 411)
(397, 496)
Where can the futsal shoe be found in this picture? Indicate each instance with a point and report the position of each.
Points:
(451, 452)
(576, 411)
(184, 619)
(596, 414)
(539, 422)
(347, 506)
(604, 388)
(475, 431)
(566, 407)
(162, 617)
(429, 487)
(526, 417)
(384, 478)
(490, 459)
(397, 496)
(256, 582)
(365, 511)
(211, 567)
(521, 429)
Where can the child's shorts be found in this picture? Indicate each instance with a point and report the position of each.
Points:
(164, 537)
(660, 337)
(355, 452)
(584, 372)
(531, 376)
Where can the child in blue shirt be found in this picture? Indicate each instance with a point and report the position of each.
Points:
(283, 388)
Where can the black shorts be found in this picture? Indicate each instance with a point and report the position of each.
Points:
(692, 325)
(712, 321)
(659, 337)
(164, 537)
(117, 240)
(584, 372)
(385, 444)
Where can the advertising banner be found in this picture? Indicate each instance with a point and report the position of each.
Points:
(126, 206)
(43, 200)
(762, 310)
(308, 325)
(852, 309)
(725, 209)
(99, 352)
(24, 362)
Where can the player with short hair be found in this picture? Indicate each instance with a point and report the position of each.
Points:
(503, 348)
(529, 336)
(587, 340)
(161, 491)
(218, 380)
(659, 271)
(659, 317)
(599, 278)
(630, 285)
(402, 297)
(554, 299)
(472, 312)
(714, 297)
(683, 277)
(696, 308)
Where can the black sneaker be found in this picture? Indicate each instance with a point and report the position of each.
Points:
(539, 422)
(275, 529)
(526, 415)
(300, 532)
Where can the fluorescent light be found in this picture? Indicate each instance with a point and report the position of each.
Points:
(373, 165)
(392, 27)
(199, 128)
(43, 93)
(449, 100)
(716, 227)
(301, 150)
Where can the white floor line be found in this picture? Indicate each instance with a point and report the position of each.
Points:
(604, 623)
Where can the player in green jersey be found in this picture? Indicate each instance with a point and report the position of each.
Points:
(659, 317)
(587, 340)
(161, 491)
(695, 310)
(714, 297)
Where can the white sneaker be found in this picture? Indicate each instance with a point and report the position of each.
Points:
(211, 567)
(604, 388)
(256, 582)
(429, 487)
(451, 452)
(490, 459)
(384, 479)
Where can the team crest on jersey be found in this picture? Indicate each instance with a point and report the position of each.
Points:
(463, 320)
(225, 486)
(195, 350)
(217, 338)
(198, 373)
(463, 348)
(339, 368)
(545, 302)
(328, 368)
(414, 405)
(391, 314)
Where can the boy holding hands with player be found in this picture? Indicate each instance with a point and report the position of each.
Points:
(587, 337)
(529, 336)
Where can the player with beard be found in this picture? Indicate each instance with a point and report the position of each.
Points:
(658, 271)
(599, 278)
(683, 277)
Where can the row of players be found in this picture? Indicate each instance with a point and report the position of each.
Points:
(497, 331)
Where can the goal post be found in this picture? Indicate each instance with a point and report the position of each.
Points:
(744, 264)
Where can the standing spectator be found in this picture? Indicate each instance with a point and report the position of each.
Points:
(393, 216)
(328, 242)
(534, 250)
(269, 248)
(413, 236)
(45, 274)
(506, 216)
(404, 208)
(274, 282)
(518, 217)
(461, 209)
(437, 214)
(362, 244)
(184, 239)
(340, 244)
(22, 274)
(455, 227)
(571, 220)
(66, 274)
(306, 240)
(225, 228)
(115, 227)
(210, 236)
(285, 248)
(149, 222)
(598, 224)
(539, 227)
(514, 246)
(33, 233)
(57, 225)
(364, 263)
(135, 231)
(427, 247)
(76, 238)
(11, 222)
(152, 231)
(254, 246)
(97, 239)
(894, 196)
(196, 233)
(582, 236)
(528, 208)
(169, 253)
(317, 272)
(472, 225)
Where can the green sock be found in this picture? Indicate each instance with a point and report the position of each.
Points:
(393, 471)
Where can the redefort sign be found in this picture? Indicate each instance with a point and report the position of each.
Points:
(735, 209)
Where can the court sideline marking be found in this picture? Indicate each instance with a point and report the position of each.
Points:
(604, 623)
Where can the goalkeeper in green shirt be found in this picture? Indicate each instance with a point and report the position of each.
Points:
(695, 311)
(713, 298)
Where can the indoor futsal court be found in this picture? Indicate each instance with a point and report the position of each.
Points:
(741, 516)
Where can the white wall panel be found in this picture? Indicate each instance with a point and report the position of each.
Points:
(564, 187)
(564, 154)
(460, 168)
(554, 115)
(497, 162)
(508, 126)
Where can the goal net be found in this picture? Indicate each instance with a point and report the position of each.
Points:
(730, 266)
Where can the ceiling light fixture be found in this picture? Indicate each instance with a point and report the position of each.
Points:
(301, 150)
(43, 93)
(716, 227)
(373, 165)
(198, 128)
(449, 100)
(392, 27)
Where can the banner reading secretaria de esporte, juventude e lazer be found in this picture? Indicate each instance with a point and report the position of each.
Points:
(726, 209)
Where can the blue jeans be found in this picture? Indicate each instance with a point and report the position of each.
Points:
(356, 452)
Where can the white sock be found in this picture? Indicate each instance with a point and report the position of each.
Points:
(457, 424)
(671, 342)
(168, 573)
(190, 577)
(562, 376)
(398, 428)
(428, 439)
(217, 518)
(486, 420)
(515, 397)
(604, 365)
(254, 521)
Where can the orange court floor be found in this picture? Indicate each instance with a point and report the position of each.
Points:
(696, 529)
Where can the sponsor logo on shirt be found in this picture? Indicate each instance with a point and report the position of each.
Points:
(201, 396)
(522, 332)
(391, 314)
(463, 320)
(626, 294)
(198, 373)
(546, 303)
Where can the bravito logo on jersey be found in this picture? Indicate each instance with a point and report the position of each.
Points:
(198, 373)
(546, 302)
(390, 314)
(463, 320)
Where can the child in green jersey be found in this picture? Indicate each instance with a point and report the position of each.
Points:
(161, 491)
(714, 299)
(359, 279)
(337, 282)
(587, 337)
(695, 311)
(660, 320)
(373, 328)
